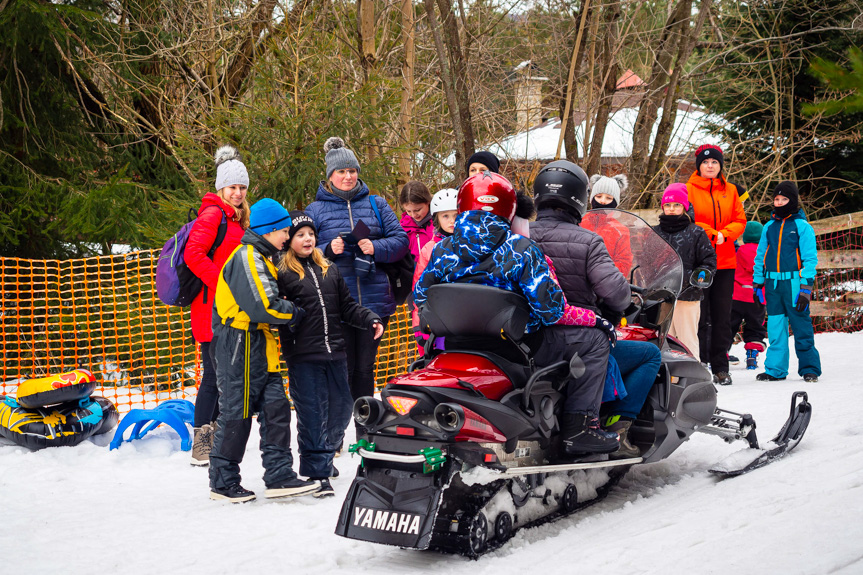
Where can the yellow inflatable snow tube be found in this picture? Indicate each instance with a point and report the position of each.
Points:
(70, 386)
(55, 411)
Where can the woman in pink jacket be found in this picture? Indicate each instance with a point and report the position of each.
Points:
(226, 209)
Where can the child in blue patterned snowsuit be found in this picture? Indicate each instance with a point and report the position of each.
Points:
(783, 278)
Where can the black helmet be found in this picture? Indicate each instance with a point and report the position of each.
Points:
(562, 184)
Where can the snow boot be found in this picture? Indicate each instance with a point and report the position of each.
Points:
(810, 377)
(751, 359)
(620, 426)
(335, 472)
(579, 438)
(325, 489)
(722, 378)
(235, 493)
(733, 360)
(202, 444)
(292, 487)
(767, 377)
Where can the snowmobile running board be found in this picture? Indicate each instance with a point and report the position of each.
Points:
(569, 466)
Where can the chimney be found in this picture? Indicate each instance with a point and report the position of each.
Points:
(528, 96)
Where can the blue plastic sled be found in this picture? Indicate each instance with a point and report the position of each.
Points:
(175, 413)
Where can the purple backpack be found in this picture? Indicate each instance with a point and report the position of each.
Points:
(175, 282)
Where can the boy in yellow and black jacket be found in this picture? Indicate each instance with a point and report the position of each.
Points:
(247, 362)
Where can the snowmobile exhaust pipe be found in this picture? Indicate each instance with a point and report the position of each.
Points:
(449, 416)
(368, 411)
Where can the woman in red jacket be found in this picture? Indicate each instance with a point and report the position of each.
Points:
(719, 211)
(227, 209)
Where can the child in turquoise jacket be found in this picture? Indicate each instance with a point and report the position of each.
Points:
(783, 278)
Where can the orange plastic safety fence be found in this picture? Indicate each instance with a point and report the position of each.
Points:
(103, 314)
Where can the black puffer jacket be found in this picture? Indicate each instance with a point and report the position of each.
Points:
(327, 303)
(586, 272)
(695, 251)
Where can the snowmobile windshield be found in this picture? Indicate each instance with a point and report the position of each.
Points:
(652, 264)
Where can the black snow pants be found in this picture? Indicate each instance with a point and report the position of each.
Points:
(559, 343)
(247, 387)
(752, 316)
(714, 331)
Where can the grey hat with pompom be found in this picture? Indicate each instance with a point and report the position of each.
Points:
(338, 157)
(230, 170)
(600, 184)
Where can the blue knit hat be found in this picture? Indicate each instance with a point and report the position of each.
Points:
(267, 216)
(752, 233)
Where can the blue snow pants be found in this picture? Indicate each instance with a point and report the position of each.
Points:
(639, 363)
(781, 312)
(323, 402)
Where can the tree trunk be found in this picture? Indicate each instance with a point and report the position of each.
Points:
(567, 124)
(672, 33)
(241, 64)
(449, 90)
(611, 71)
(672, 93)
(458, 66)
(407, 104)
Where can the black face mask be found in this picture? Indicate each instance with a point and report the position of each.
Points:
(597, 206)
(673, 224)
(788, 209)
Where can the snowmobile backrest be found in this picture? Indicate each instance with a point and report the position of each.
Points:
(462, 309)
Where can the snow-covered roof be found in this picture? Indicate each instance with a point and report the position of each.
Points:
(540, 142)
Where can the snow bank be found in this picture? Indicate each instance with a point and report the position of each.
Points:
(144, 509)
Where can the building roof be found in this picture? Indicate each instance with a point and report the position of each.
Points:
(540, 142)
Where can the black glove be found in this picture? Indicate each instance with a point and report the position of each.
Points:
(299, 314)
(803, 298)
(611, 315)
(608, 328)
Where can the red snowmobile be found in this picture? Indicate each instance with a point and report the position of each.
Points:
(462, 451)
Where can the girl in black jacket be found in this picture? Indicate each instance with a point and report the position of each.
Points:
(692, 245)
(315, 350)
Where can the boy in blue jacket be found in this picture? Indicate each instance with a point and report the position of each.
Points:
(783, 279)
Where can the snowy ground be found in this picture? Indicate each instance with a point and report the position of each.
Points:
(143, 509)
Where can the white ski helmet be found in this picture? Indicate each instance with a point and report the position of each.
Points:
(444, 201)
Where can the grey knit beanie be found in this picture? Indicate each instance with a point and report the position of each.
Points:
(338, 156)
(229, 169)
(604, 185)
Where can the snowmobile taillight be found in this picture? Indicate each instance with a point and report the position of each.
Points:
(490, 458)
(402, 405)
(401, 430)
(478, 428)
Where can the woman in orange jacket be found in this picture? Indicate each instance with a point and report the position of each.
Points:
(719, 211)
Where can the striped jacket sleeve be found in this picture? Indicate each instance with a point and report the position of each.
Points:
(253, 283)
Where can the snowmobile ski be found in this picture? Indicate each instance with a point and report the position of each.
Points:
(787, 439)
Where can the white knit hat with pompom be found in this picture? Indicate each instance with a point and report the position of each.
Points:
(230, 170)
(612, 186)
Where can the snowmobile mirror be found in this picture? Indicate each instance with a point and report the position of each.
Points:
(576, 366)
(701, 278)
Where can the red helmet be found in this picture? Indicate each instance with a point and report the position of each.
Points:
(488, 192)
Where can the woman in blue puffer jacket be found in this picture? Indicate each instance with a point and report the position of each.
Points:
(341, 202)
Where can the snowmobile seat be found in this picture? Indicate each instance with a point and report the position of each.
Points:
(473, 310)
